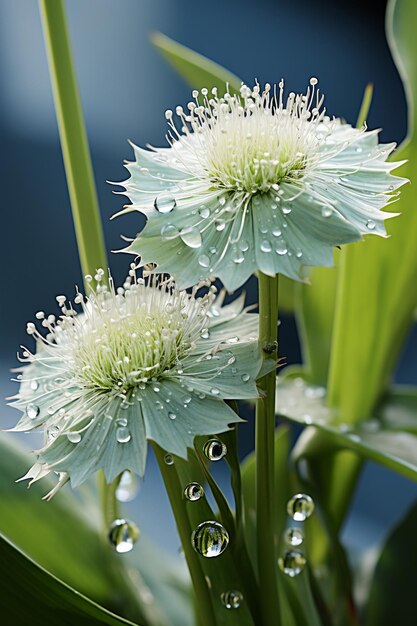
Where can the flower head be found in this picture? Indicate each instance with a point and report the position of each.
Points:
(145, 361)
(252, 182)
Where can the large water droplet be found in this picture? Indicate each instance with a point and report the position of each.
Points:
(294, 536)
(193, 492)
(292, 563)
(74, 437)
(277, 232)
(123, 434)
(231, 599)
(203, 260)
(128, 487)
(165, 203)
(210, 539)
(281, 248)
(169, 231)
(300, 507)
(32, 411)
(123, 535)
(191, 237)
(266, 246)
(214, 449)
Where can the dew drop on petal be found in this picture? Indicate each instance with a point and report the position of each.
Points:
(220, 225)
(214, 449)
(326, 211)
(286, 210)
(128, 487)
(234, 339)
(266, 246)
(123, 434)
(123, 534)
(231, 599)
(32, 411)
(276, 232)
(34, 385)
(203, 260)
(215, 391)
(210, 539)
(245, 377)
(243, 245)
(168, 459)
(165, 203)
(238, 257)
(172, 416)
(74, 437)
(300, 507)
(169, 231)
(193, 492)
(294, 536)
(204, 212)
(281, 248)
(292, 563)
(205, 333)
(370, 225)
(191, 237)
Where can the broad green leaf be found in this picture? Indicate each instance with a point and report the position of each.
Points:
(377, 294)
(31, 595)
(64, 537)
(194, 68)
(392, 598)
(389, 437)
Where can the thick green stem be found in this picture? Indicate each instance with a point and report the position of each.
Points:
(78, 167)
(174, 491)
(77, 160)
(265, 431)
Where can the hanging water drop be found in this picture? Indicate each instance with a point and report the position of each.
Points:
(123, 434)
(32, 411)
(123, 535)
(300, 507)
(193, 492)
(292, 563)
(128, 487)
(210, 539)
(214, 449)
(231, 599)
(294, 536)
(165, 203)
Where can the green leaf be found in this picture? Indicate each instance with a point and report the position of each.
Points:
(31, 595)
(196, 69)
(64, 537)
(389, 437)
(392, 598)
(377, 295)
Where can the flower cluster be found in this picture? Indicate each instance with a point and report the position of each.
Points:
(144, 361)
(256, 182)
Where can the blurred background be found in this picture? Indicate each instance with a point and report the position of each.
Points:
(125, 88)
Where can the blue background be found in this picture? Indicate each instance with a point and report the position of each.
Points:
(125, 88)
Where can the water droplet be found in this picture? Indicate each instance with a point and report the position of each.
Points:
(294, 536)
(370, 225)
(210, 539)
(169, 231)
(123, 535)
(128, 487)
(34, 385)
(243, 245)
(359, 149)
(286, 210)
(203, 260)
(32, 411)
(231, 599)
(238, 257)
(123, 434)
(265, 246)
(214, 391)
(172, 416)
(299, 254)
(168, 459)
(214, 449)
(245, 377)
(292, 563)
(277, 232)
(220, 225)
(74, 437)
(326, 211)
(281, 248)
(193, 492)
(233, 340)
(165, 203)
(204, 212)
(191, 237)
(300, 507)
(205, 333)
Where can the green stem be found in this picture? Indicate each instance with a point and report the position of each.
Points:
(265, 431)
(174, 491)
(77, 162)
(109, 503)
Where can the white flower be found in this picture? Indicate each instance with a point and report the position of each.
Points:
(145, 361)
(251, 182)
